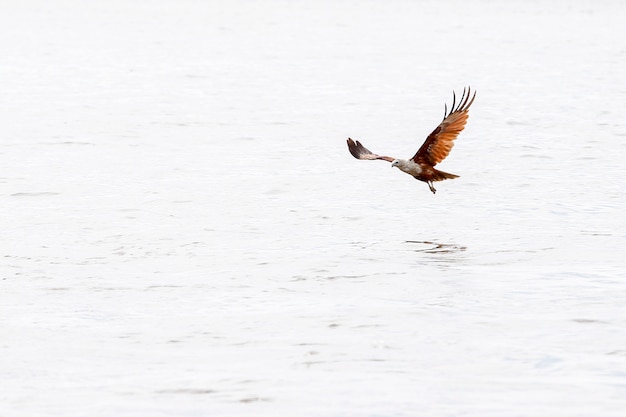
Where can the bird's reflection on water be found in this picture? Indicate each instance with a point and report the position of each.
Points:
(437, 247)
(443, 255)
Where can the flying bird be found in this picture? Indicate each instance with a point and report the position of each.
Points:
(435, 148)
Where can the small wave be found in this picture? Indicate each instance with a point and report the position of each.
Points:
(35, 194)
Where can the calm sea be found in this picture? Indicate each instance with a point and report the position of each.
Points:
(185, 233)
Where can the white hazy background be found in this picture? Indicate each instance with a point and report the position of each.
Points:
(184, 232)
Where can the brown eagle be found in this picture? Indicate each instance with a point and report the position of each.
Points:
(434, 150)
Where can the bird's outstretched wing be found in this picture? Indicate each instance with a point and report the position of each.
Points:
(361, 152)
(439, 143)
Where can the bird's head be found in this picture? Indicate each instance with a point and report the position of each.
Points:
(395, 163)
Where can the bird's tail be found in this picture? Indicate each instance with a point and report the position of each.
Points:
(440, 176)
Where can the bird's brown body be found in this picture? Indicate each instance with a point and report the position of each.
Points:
(434, 150)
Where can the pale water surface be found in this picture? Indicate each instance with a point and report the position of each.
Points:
(185, 234)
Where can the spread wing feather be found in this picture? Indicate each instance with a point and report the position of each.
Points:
(361, 152)
(439, 143)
